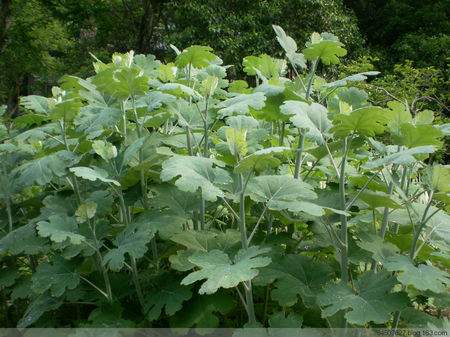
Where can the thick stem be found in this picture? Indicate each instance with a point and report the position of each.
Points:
(343, 232)
(311, 79)
(299, 153)
(423, 222)
(244, 242)
(134, 272)
(281, 136)
(386, 213)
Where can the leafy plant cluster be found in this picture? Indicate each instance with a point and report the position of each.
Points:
(161, 194)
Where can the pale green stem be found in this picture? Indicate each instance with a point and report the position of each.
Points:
(299, 153)
(423, 222)
(9, 212)
(344, 230)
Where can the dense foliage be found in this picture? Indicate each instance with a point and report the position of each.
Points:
(162, 194)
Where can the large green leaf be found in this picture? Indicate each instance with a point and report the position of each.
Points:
(241, 104)
(379, 199)
(264, 66)
(56, 277)
(36, 103)
(97, 117)
(423, 277)
(372, 301)
(60, 228)
(194, 173)
(23, 240)
(261, 159)
(367, 121)
(294, 276)
(220, 272)
(284, 193)
(312, 118)
(198, 56)
(42, 170)
(419, 135)
(325, 47)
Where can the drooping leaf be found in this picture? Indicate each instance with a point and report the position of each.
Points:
(42, 170)
(290, 47)
(56, 277)
(372, 302)
(37, 308)
(60, 228)
(401, 157)
(220, 272)
(93, 174)
(23, 240)
(312, 118)
(38, 104)
(194, 173)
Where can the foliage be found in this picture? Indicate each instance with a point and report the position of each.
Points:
(202, 203)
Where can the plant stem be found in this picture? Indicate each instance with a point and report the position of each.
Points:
(343, 232)
(244, 242)
(298, 154)
(281, 136)
(135, 274)
(311, 79)
(386, 213)
(9, 212)
(423, 222)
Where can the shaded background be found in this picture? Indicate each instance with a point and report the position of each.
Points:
(407, 40)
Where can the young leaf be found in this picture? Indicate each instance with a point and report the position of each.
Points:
(220, 272)
(104, 149)
(372, 302)
(194, 173)
(197, 56)
(324, 47)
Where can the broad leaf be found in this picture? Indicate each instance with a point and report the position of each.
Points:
(56, 277)
(241, 104)
(422, 277)
(325, 47)
(194, 173)
(261, 159)
(42, 170)
(401, 157)
(373, 300)
(284, 193)
(312, 118)
(197, 56)
(368, 121)
(220, 272)
(60, 228)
